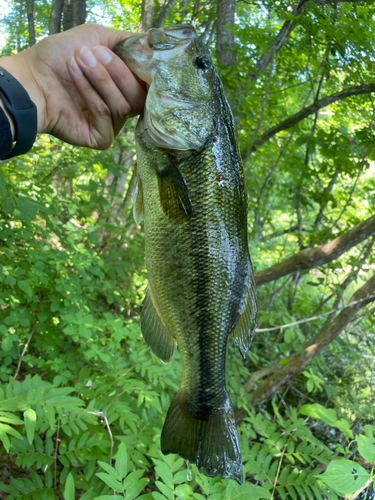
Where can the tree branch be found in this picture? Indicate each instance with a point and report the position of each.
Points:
(306, 320)
(315, 257)
(360, 170)
(283, 35)
(32, 331)
(327, 335)
(309, 110)
(164, 13)
(323, 206)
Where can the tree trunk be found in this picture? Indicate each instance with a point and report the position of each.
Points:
(79, 12)
(74, 13)
(20, 27)
(68, 15)
(225, 39)
(30, 21)
(147, 15)
(55, 16)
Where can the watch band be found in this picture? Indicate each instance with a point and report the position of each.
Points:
(6, 140)
(24, 112)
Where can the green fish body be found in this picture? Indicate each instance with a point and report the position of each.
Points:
(191, 194)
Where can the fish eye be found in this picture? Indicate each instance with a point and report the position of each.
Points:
(202, 63)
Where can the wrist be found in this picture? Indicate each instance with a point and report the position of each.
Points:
(19, 65)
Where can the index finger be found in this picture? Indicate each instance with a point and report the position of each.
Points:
(123, 78)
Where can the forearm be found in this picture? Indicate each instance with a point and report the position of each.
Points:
(18, 66)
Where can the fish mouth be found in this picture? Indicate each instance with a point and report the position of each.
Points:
(136, 54)
(142, 51)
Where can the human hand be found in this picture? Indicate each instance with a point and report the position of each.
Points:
(82, 90)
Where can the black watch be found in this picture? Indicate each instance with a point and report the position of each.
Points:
(23, 111)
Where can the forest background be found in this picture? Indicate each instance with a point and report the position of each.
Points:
(82, 398)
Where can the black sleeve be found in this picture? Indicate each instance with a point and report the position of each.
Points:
(6, 142)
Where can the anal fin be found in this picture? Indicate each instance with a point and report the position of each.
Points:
(244, 329)
(155, 333)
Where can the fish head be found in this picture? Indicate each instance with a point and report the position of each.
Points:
(179, 110)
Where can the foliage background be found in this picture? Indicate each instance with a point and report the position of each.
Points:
(77, 380)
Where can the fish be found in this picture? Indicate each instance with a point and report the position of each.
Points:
(192, 197)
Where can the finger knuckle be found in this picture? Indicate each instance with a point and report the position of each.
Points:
(103, 111)
(124, 109)
(102, 78)
(103, 143)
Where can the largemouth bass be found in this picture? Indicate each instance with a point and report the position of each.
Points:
(191, 194)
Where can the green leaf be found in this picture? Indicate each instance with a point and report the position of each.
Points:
(246, 491)
(68, 402)
(27, 208)
(110, 481)
(29, 416)
(8, 205)
(132, 478)
(136, 488)
(25, 287)
(44, 494)
(10, 418)
(289, 335)
(109, 497)
(166, 490)
(89, 494)
(36, 479)
(158, 496)
(318, 411)
(366, 448)
(3, 185)
(122, 460)
(369, 431)
(345, 477)
(164, 472)
(300, 141)
(111, 470)
(344, 426)
(69, 492)
(7, 344)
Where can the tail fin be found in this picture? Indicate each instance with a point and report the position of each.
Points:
(212, 443)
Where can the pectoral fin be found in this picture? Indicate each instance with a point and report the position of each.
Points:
(138, 203)
(174, 195)
(244, 329)
(156, 334)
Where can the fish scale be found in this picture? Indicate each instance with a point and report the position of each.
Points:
(192, 197)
